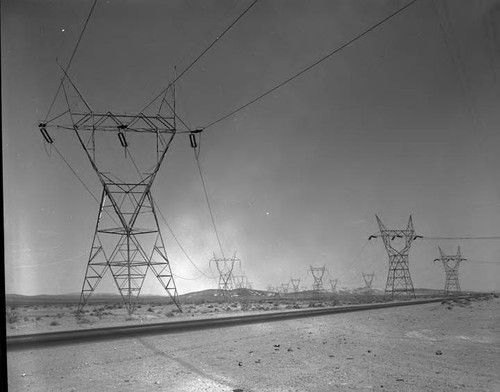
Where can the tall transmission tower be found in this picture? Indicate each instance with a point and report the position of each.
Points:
(295, 284)
(397, 244)
(285, 287)
(317, 274)
(333, 284)
(225, 268)
(126, 152)
(451, 263)
(368, 278)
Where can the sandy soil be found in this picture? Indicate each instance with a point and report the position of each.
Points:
(434, 347)
(28, 319)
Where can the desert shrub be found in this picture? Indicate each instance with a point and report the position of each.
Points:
(26, 318)
(83, 320)
(38, 318)
(245, 306)
(55, 322)
(150, 310)
(12, 317)
(169, 314)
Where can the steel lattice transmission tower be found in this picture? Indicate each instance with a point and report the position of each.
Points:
(225, 268)
(285, 287)
(451, 263)
(368, 278)
(333, 284)
(397, 244)
(126, 152)
(317, 274)
(295, 284)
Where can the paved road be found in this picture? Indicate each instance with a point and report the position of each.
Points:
(24, 342)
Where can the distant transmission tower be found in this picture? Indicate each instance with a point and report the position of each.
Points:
(451, 263)
(126, 152)
(368, 278)
(295, 284)
(397, 243)
(317, 273)
(333, 284)
(225, 268)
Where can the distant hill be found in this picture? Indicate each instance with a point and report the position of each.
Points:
(209, 295)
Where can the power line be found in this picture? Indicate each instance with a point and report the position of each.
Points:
(171, 231)
(312, 65)
(482, 262)
(196, 155)
(179, 244)
(71, 59)
(200, 56)
(81, 182)
(461, 238)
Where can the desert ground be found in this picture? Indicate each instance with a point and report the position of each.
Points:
(448, 346)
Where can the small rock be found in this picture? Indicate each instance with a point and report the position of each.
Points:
(439, 352)
(23, 375)
(157, 382)
(237, 390)
(257, 361)
(240, 363)
(349, 358)
(127, 380)
(332, 356)
(399, 379)
(276, 345)
(289, 349)
(369, 351)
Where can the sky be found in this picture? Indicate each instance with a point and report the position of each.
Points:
(403, 121)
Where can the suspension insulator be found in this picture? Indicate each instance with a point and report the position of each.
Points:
(192, 140)
(46, 135)
(123, 141)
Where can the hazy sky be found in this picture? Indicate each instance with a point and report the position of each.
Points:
(404, 121)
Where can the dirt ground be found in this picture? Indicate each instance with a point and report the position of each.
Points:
(435, 347)
(29, 319)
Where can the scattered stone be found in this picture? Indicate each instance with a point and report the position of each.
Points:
(369, 351)
(399, 379)
(127, 380)
(439, 352)
(240, 363)
(332, 356)
(257, 361)
(157, 382)
(237, 390)
(276, 345)
(23, 375)
(349, 358)
(289, 349)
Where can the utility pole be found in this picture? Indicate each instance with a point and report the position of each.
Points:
(126, 152)
(368, 278)
(225, 268)
(333, 284)
(397, 244)
(295, 284)
(451, 263)
(317, 274)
